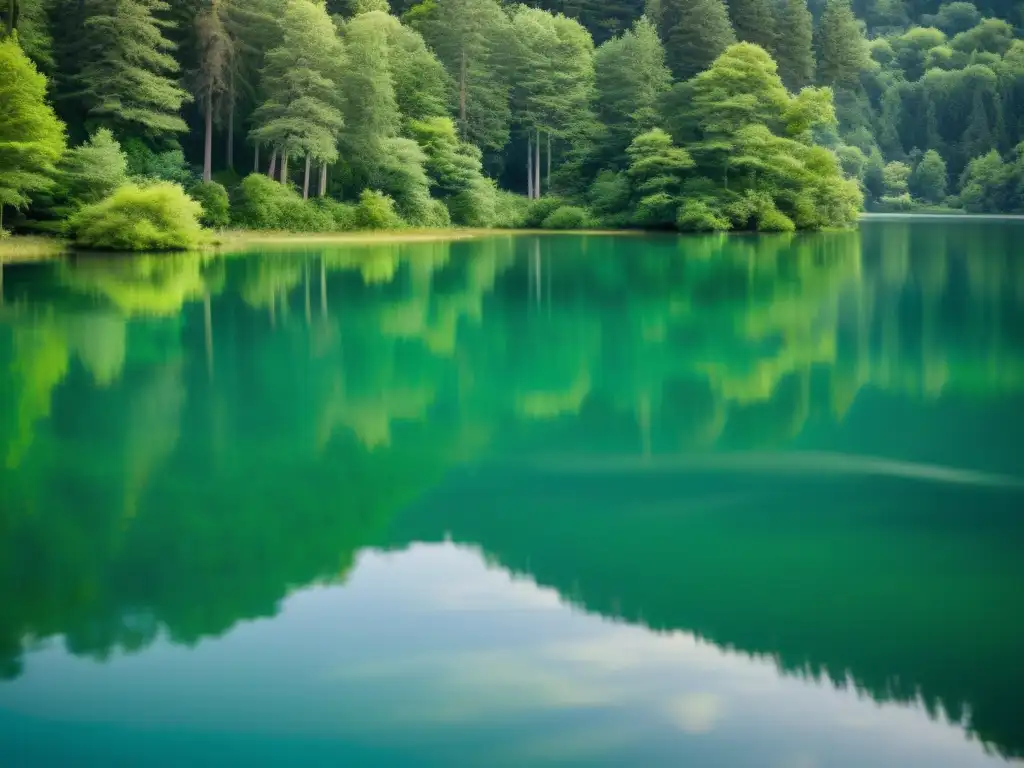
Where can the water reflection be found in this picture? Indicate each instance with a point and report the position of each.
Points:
(187, 440)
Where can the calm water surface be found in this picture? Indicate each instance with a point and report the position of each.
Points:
(631, 501)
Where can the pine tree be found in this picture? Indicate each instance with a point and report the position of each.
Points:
(754, 22)
(694, 32)
(127, 72)
(842, 50)
(31, 136)
(472, 39)
(794, 49)
(301, 114)
(212, 78)
(631, 78)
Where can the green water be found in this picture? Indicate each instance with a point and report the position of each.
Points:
(630, 501)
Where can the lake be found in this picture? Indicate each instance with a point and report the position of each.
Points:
(595, 500)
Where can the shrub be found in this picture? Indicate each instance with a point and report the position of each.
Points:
(262, 203)
(656, 211)
(376, 211)
(343, 215)
(214, 199)
(773, 220)
(298, 215)
(510, 210)
(539, 210)
(609, 194)
(476, 206)
(568, 217)
(698, 216)
(155, 217)
(897, 202)
(437, 215)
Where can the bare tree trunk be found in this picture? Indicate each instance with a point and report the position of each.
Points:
(305, 180)
(273, 163)
(529, 166)
(547, 181)
(208, 142)
(462, 93)
(12, 6)
(256, 160)
(323, 179)
(536, 165)
(284, 166)
(231, 123)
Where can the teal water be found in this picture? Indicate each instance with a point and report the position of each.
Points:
(637, 500)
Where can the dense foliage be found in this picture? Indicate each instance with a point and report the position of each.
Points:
(696, 114)
(156, 217)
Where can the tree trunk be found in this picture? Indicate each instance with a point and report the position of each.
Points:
(208, 141)
(284, 166)
(547, 180)
(462, 93)
(305, 180)
(529, 166)
(12, 6)
(273, 163)
(256, 160)
(323, 179)
(536, 165)
(231, 124)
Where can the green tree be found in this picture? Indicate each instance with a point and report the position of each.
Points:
(29, 19)
(128, 73)
(91, 171)
(471, 38)
(31, 136)
(754, 22)
(454, 169)
(694, 32)
(656, 169)
(928, 181)
(301, 114)
(984, 187)
(953, 18)
(212, 79)
(842, 50)
(631, 78)
(794, 47)
(896, 177)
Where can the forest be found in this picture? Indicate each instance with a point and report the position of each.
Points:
(137, 124)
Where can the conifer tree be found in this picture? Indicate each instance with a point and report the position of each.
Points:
(128, 71)
(631, 78)
(301, 114)
(842, 50)
(694, 32)
(213, 76)
(754, 22)
(794, 46)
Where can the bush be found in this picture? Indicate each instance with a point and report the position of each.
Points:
(343, 215)
(510, 210)
(376, 211)
(773, 220)
(155, 217)
(656, 211)
(214, 199)
(609, 194)
(476, 206)
(298, 215)
(897, 202)
(698, 216)
(437, 215)
(539, 210)
(260, 203)
(568, 217)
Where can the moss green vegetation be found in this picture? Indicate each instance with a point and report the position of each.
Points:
(157, 217)
(664, 114)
